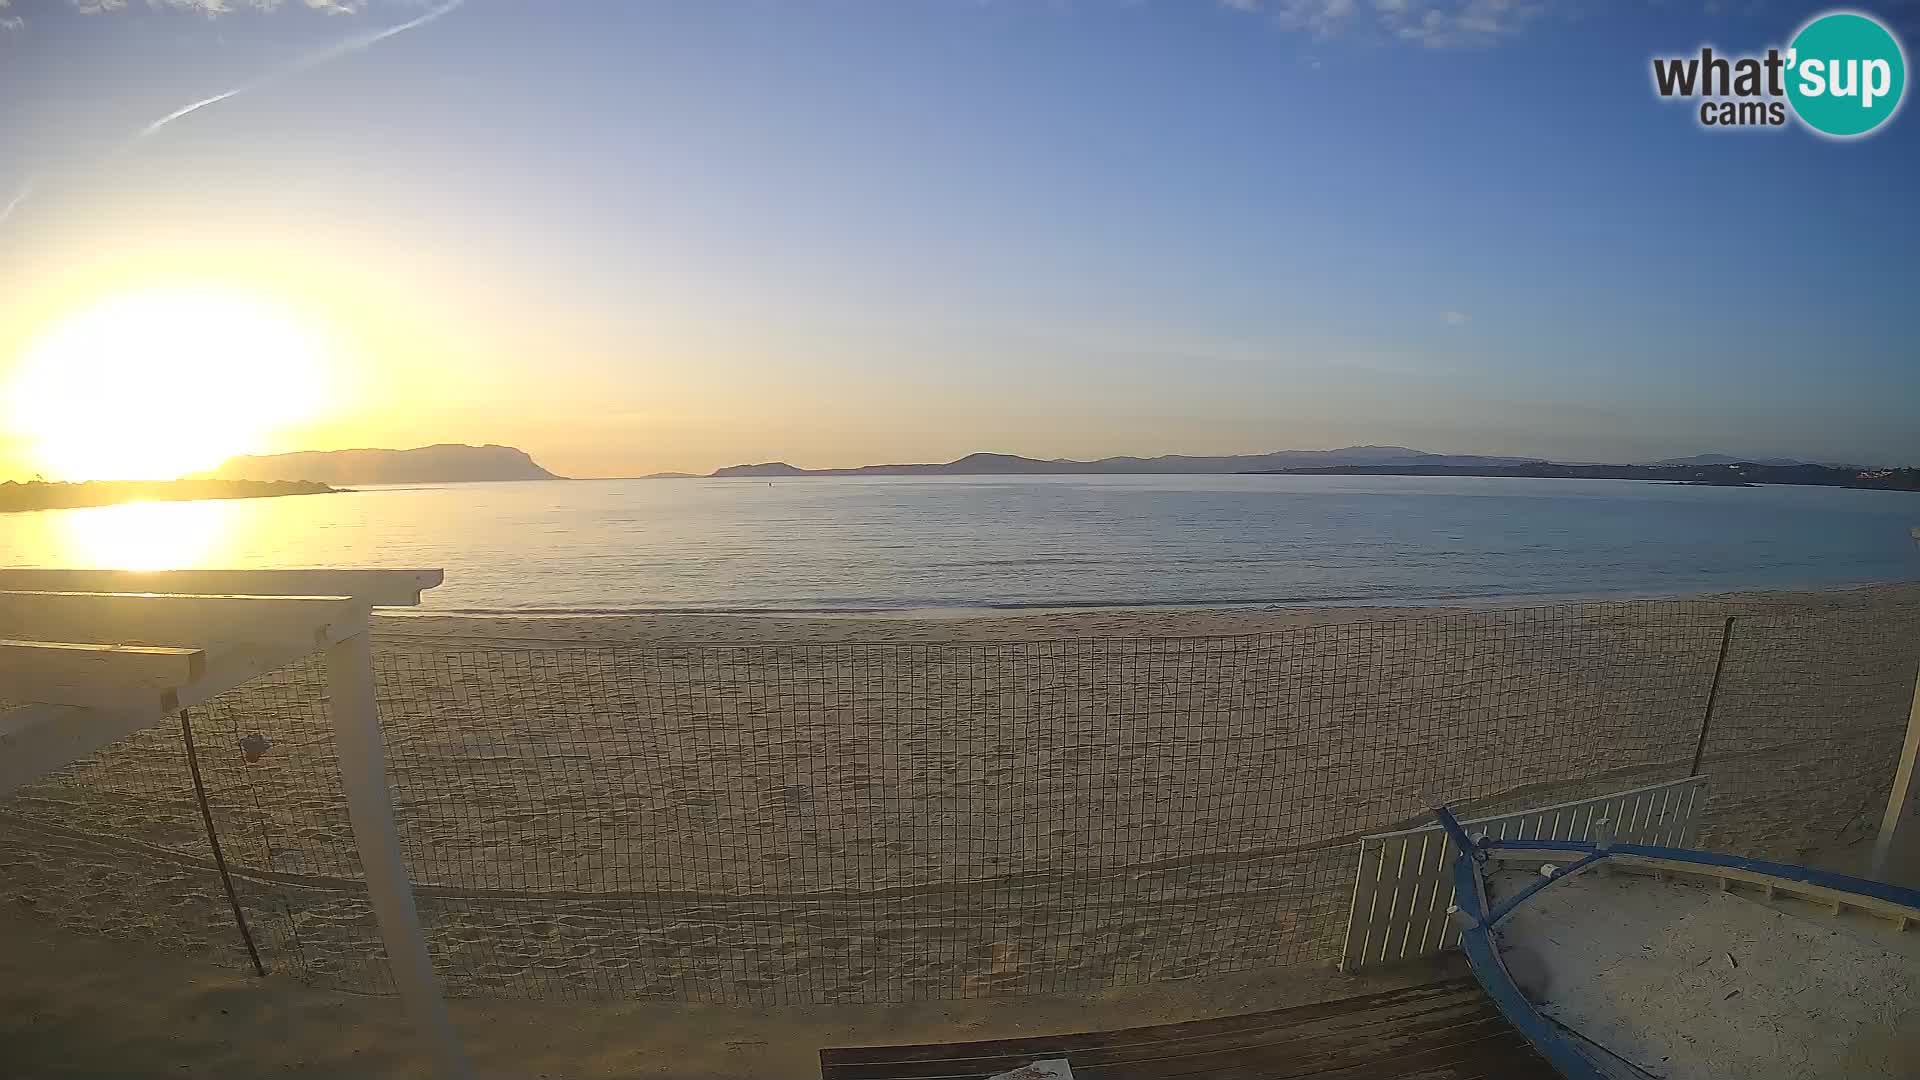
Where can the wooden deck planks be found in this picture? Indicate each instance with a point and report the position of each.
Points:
(1442, 1031)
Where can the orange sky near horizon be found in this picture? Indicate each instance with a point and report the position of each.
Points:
(904, 233)
(419, 342)
(405, 362)
(429, 332)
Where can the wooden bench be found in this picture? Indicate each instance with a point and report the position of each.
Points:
(1442, 1031)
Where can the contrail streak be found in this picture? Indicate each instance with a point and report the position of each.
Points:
(184, 110)
(26, 189)
(312, 59)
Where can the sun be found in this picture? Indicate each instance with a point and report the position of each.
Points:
(157, 383)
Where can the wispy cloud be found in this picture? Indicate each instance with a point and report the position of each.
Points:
(26, 190)
(208, 8)
(1435, 24)
(220, 7)
(1455, 318)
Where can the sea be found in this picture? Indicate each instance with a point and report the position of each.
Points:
(965, 543)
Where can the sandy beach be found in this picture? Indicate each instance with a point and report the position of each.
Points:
(805, 813)
(75, 1005)
(985, 624)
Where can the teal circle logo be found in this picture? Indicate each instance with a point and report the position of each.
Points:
(1845, 74)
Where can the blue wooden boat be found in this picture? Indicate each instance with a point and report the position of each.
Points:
(1622, 961)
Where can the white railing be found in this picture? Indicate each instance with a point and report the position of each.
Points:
(1403, 885)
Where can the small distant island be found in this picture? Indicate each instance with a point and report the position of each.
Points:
(442, 463)
(43, 495)
(306, 473)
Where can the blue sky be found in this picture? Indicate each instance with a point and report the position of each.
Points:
(661, 235)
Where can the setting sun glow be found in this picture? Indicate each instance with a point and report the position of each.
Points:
(162, 382)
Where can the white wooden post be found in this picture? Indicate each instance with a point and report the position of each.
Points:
(1896, 851)
(363, 773)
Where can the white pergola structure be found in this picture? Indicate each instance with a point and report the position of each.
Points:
(90, 656)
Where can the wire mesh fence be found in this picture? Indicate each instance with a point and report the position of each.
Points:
(788, 823)
(116, 845)
(1806, 731)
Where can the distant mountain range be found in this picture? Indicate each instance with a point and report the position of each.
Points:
(1014, 465)
(438, 464)
(1712, 469)
(453, 462)
(1729, 459)
(1741, 474)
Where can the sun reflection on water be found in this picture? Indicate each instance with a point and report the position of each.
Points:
(142, 536)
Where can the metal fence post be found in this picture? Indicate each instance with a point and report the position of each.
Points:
(213, 844)
(1713, 695)
(363, 774)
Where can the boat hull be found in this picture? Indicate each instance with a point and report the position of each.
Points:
(1630, 960)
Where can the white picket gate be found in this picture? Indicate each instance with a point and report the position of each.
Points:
(1402, 888)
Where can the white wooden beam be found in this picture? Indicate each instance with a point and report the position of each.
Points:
(94, 676)
(177, 621)
(36, 740)
(381, 588)
(363, 775)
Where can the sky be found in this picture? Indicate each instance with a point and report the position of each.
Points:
(653, 236)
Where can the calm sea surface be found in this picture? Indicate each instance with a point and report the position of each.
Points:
(900, 543)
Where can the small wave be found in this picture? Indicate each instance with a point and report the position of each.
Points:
(923, 607)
